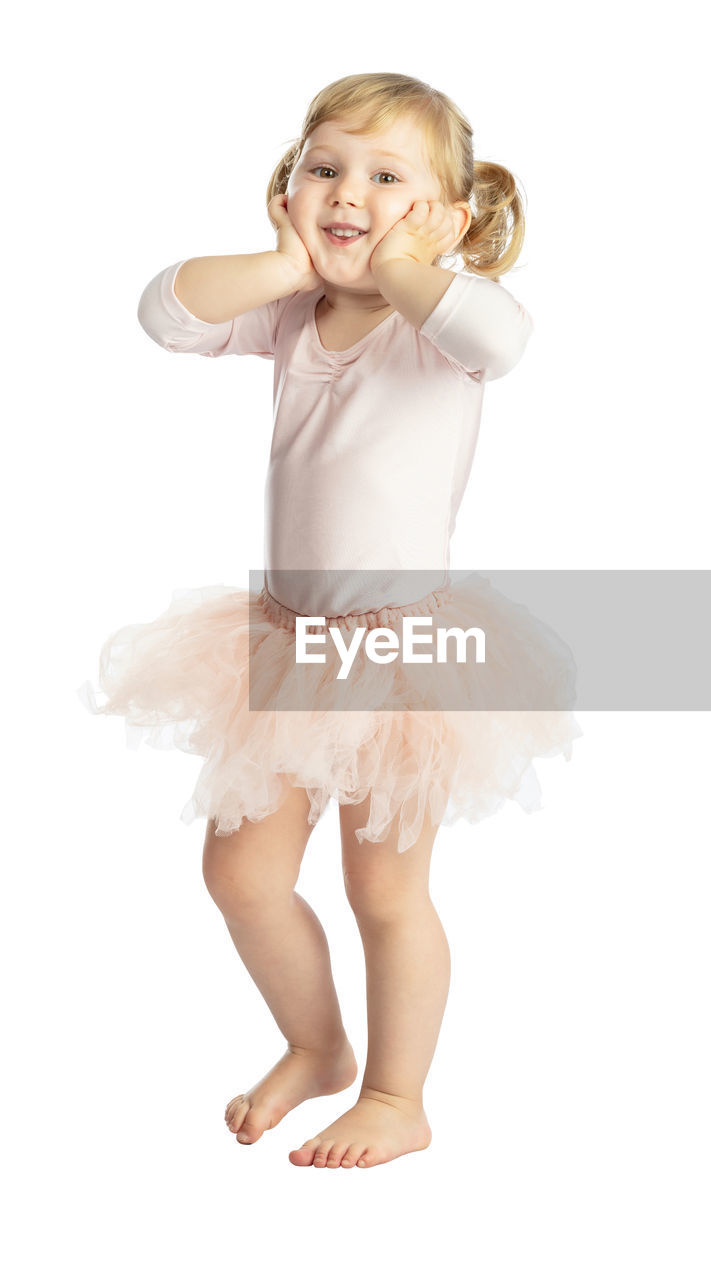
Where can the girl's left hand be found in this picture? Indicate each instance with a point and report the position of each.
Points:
(426, 231)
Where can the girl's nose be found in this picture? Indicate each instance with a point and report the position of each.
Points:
(348, 189)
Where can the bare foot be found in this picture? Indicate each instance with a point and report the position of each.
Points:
(378, 1128)
(300, 1074)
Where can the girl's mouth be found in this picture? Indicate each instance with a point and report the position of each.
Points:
(341, 240)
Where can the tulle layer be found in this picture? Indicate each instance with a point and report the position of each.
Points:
(397, 735)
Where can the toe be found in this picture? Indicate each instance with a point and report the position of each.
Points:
(351, 1154)
(321, 1154)
(236, 1116)
(250, 1129)
(233, 1108)
(363, 1160)
(303, 1155)
(255, 1122)
(336, 1154)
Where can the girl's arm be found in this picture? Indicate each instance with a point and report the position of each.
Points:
(475, 321)
(219, 288)
(224, 287)
(480, 325)
(174, 327)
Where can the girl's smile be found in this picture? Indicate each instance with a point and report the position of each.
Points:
(341, 239)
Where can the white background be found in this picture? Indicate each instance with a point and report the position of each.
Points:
(569, 1096)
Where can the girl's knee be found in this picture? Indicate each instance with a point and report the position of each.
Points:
(233, 887)
(382, 883)
(246, 871)
(378, 897)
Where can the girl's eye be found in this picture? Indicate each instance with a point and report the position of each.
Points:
(380, 171)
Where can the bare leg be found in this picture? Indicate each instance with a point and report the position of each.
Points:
(250, 875)
(407, 976)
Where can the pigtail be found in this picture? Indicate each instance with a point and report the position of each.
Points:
(494, 239)
(279, 180)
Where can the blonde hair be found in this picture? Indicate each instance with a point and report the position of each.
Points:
(372, 102)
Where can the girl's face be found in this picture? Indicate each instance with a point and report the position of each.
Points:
(371, 183)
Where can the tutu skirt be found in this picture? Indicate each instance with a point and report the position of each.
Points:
(215, 675)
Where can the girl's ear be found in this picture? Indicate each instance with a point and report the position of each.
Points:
(466, 221)
(462, 213)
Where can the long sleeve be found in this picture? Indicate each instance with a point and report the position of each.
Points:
(479, 325)
(169, 323)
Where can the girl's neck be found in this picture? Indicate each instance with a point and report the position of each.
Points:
(349, 302)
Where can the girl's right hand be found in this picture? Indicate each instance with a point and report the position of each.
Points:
(291, 246)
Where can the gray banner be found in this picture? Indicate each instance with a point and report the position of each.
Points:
(600, 640)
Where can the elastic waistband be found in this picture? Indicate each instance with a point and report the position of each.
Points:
(389, 616)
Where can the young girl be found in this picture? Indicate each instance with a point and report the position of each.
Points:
(380, 361)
